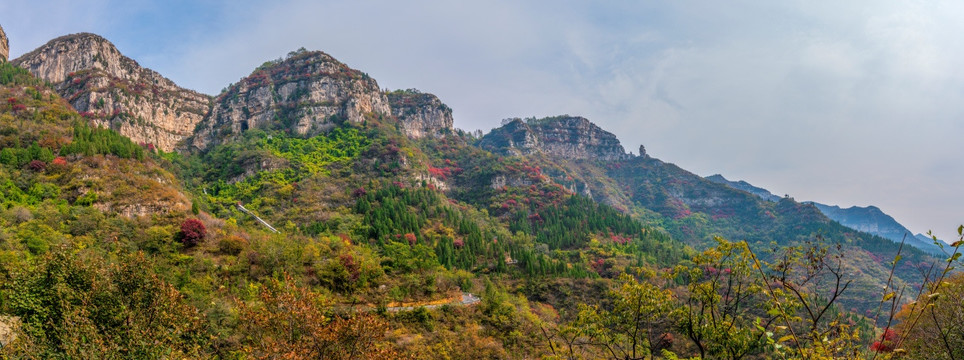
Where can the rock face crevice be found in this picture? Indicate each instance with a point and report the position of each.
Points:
(114, 91)
(566, 137)
(306, 93)
(420, 114)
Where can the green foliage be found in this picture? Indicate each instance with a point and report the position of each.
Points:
(90, 141)
(636, 325)
(392, 211)
(77, 305)
(20, 157)
(302, 159)
(12, 75)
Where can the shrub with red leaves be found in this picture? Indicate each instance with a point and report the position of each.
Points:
(192, 232)
(359, 192)
(351, 266)
(410, 238)
(886, 343)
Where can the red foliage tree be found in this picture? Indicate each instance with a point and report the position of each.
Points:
(886, 343)
(411, 238)
(193, 232)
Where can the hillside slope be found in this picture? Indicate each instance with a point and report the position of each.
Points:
(869, 219)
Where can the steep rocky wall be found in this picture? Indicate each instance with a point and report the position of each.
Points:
(305, 93)
(4, 46)
(112, 90)
(420, 114)
(564, 137)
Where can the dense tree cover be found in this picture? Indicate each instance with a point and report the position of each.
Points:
(266, 166)
(73, 303)
(91, 141)
(577, 221)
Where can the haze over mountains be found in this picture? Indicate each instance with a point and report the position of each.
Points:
(868, 219)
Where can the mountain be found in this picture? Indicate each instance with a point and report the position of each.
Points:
(869, 219)
(58, 160)
(112, 90)
(745, 186)
(690, 208)
(311, 213)
(872, 220)
(566, 137)
(420, 114)
(306, 93)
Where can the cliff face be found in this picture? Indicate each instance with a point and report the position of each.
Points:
(420, 114)
(306, 93)
(564, 137)
(112, 90)
(4, 46)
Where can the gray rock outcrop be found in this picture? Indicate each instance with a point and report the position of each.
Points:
(420, 114)
(567, 137)
(4, 46)
(112, 90)
(306, 93)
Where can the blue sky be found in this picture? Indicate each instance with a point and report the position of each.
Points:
(846, 103)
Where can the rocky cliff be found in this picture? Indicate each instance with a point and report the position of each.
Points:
(420, 114)
(112, 90)
(4, 46)
(566, 137)
(307, 92)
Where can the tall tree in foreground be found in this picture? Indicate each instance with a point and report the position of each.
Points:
(76, 305)
(637, 324)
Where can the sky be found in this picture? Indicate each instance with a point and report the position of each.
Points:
(844, 103)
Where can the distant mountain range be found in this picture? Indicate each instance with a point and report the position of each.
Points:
(868, 219)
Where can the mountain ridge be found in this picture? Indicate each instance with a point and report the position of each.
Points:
(305, 93)
(869, 219)
(566, 137)
(114, 91)
(377, 199)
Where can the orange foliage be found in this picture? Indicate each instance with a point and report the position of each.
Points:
(292, 322)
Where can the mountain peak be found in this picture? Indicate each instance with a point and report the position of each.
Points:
(304, 93)
(113, 90)
(420, 114)
(58, 58)
(568, 137)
